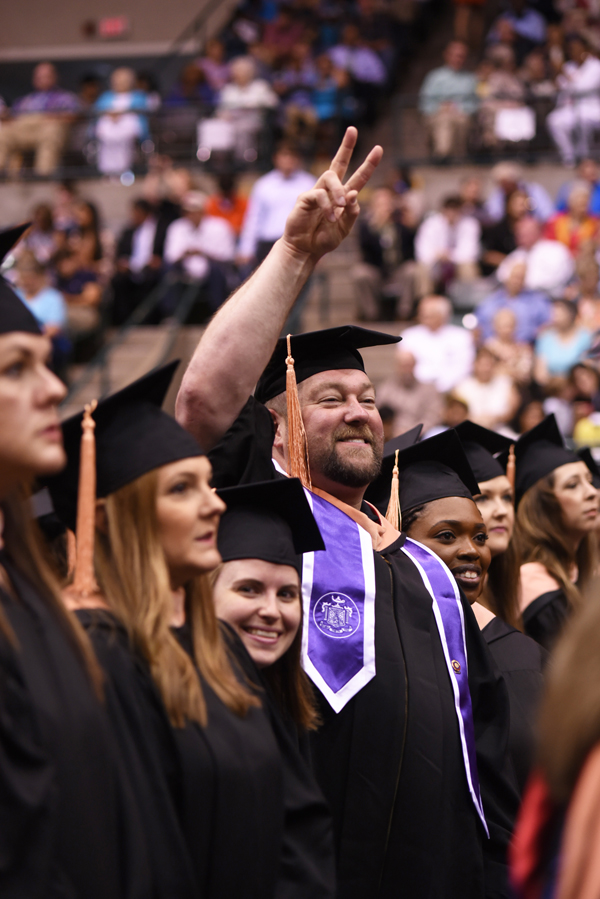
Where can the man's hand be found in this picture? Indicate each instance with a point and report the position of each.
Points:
(324, 216)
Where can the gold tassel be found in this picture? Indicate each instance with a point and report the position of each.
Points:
(298, 464)
(511, 466)
(394, 512)
(84, 581)
(71, 551)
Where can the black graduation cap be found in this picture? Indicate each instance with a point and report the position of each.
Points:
(378, 491)
(433, 469)
(328, 350)
(537, 453)
(14, 314)
(585, 454)
(480, 444)
(270, 520)
(133, 436)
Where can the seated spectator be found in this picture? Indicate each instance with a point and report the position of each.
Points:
(575, 227)
(63, 208)
(146, 83)
(197, 245)
(447, 246)
(489, 394)
(454, 412)
(536, 78)
(164, 188)
(498, 240)
(562, 344)
(213, 64)
(447, 99)
(577, 113)
(470, 188)
(412, 401)
(228, 203)
(387, 270)
(550, 266)
(588, 173)
(530, 414)
(364, 67)
(515, 358)
(120, 125)
(522, 26)
(294, 83)
(555, 47)
(41, 238)
(138, 268)
(504, 91)
(81, 291)
(85, 238)
(587, 293)
(380, 31)
(39, 121)
(327, 97)
(243, 102)
(46, 303)
(585, 380)
(532, 308)
(444, 352)
(507, 178)
(191, 88)
(282, 34)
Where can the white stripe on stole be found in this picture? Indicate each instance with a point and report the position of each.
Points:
(455, 689)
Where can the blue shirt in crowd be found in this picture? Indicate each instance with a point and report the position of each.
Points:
(532, 309)
(558, 355)
(48, 306)
(565, 190)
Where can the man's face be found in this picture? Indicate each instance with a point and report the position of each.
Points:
(527, 233)
(456, 56)
(343, 428)
(287, 163)
(432, 314)
(44, 77)
(195, 216)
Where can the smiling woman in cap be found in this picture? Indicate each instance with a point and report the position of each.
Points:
(156, 540)
(62, 800)
(557, 511)
(257, 590)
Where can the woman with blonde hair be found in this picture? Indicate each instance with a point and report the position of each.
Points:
(557, 511)
(67, 819)
(210, 746)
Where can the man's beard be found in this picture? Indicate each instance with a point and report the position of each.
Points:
(358, 472)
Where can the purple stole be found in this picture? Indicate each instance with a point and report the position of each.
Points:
(448, 612)
(338, 597)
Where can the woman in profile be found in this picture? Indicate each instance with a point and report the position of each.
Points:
(557, 512)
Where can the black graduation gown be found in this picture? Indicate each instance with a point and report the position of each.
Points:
(544, 618)
(390, 763)
(232, 799)
(60, 822)
(147, 749)
(307, 853)
(521, 662)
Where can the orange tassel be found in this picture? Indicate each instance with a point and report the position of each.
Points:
(511, 466)
(71, 551)
(394, 512)
(298, 463)
(84, 581)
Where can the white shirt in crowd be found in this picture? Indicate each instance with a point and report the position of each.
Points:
(436, 236)
(580, 85)
(116, 142)
(444, 357)
(142, 245)
(214, 238)
(257, 95)
(271, 201)
(488, 403)
(549, 263)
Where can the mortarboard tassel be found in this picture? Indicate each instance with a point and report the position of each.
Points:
(511, 466)
(297, 446)
(394, 513)
(71, 551)
(84, 581)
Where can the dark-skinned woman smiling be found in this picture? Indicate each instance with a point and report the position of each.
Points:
(440, 516)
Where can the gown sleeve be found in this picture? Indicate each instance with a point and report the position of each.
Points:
(545, 617)
(243, 455)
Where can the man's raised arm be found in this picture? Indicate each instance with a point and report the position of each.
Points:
(240, 339)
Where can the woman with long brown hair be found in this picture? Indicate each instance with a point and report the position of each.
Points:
(518, 657)
(156, 531)
(258, 592)
(557, 511)
(62, 802)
